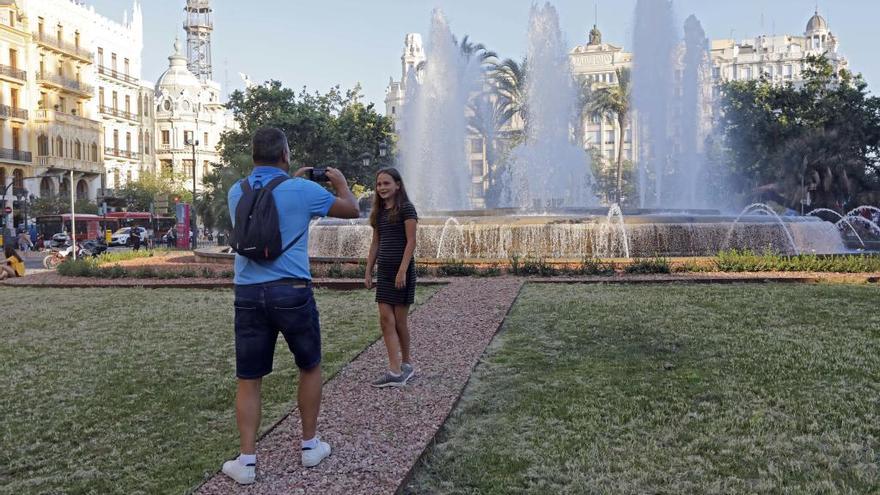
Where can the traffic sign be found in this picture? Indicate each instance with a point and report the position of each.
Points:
(7, 210)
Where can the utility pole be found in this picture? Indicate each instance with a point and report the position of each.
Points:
(72, 218)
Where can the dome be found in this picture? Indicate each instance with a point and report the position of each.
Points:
(177, 78)
(816, 23)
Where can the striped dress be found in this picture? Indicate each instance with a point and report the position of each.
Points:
(392, 243)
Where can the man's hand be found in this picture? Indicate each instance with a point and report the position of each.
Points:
(303, 172)
(400, 280)
(337, 179)
(368, 281)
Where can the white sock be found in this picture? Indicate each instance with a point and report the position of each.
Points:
(310, 444)
(245, 459)
(395, 375)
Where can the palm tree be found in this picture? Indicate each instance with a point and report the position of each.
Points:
(470, 50)
(615, 101)
(509, 79)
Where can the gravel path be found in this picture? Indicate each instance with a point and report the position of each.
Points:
(377, 435)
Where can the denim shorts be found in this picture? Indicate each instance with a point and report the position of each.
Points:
(261, 311)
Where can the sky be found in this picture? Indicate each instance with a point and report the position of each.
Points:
(322, 43)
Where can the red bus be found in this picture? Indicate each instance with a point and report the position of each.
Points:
(87, 226)
(155, 225)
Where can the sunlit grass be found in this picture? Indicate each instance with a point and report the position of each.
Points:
(671, 389)
(131, 390)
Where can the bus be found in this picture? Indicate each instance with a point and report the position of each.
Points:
(87, 226)
(155, 225)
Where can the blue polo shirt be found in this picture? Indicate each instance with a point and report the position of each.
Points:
(297, 200)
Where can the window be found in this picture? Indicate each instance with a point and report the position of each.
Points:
(16, 139)
(100, 56)
(147, 143)
(17, 179)
(59, 146)
(77, 150)
(76, 39)
(393, 110)
(128, 141)
(116, 183)
(477, 190)
(113, 62)
(477, 168)
(2, 177)
(609, 137)
(94, 152)
(127, 104)
(62, 104)
(13, 97)
(627, 136)
(128, 176)
(125, 66)
(205, 140)
(101, 98)
(166, 138)
(595, 137)
(115, 102)
(188, 138)
(167, 167)
(786, 71)
(116, 141)
(188, 168)
(59, 33)
(43, 145)
(40, 26)
(716, 72)
(13, 58)
(476, 145)
(206, 168)
(44, 100)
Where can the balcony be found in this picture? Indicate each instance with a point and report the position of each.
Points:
(61, 82)
(63, 163)
(7, 112)
(131, 155)
(52, 116)
(13, 74)
(59, 45)
(115, 74)
(15, 155)
(119, 113)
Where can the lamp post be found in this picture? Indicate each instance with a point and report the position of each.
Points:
(192, 206)
(11, 219)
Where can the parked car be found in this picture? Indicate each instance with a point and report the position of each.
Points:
(122, 236)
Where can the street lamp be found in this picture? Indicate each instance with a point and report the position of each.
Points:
(192, 207)
(383, 149)
(11, 221)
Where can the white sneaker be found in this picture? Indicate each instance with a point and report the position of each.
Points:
(243, 475)
(313, 457)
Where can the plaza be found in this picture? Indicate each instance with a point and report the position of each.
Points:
(645, 262)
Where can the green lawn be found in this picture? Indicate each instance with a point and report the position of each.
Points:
(131, 390)
(671, 389)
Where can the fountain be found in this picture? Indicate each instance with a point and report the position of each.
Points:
(548, 170)
(551, 212)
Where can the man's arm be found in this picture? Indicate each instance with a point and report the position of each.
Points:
(346, 205)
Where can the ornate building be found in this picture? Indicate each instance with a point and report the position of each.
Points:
(395, 94)
(780, 58)
(597, 64)
(189, 121)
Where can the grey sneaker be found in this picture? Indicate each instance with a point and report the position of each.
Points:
(407, 370)
(389, 380)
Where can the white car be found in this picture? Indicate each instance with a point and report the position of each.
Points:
(121, 236)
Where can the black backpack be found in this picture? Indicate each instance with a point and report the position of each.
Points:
(257, 233)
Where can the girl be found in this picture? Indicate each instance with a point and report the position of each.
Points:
(12, 265)
(394, 221)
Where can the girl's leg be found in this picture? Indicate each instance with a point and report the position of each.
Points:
(389, 334)
(401, 325)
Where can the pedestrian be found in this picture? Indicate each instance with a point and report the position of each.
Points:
(394, 219)
(12, 264)
(24, 242)
(273, 295)
(135, 239)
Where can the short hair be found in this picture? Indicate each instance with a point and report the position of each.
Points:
(269, 145)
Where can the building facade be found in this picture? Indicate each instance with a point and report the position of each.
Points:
(189, 121)
(15, 112)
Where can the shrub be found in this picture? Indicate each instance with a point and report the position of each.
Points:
(423, 270)
(536, 266)
(595, 266)
(453, 268)
(652, 265)
(144, 272)
(748, 261)
(82, 267)
(116, 256)
(492, 270)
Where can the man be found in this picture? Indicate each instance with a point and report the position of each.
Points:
(276, 295)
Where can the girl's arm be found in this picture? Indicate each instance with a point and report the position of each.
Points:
(410, 227)
(371, 259)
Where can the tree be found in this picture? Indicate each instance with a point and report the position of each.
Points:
(333, 129)
(821, 138)
(149, 187)
(613, 101)
(509, 80)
